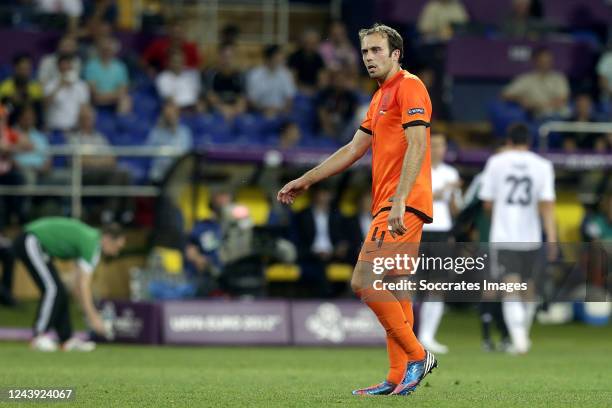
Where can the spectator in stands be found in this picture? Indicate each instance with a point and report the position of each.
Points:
(604, 73)
(584, 112)
(102, 168)
(101, 10)
(202, 261)
(225, 85)
(179, 83)
(270, 87)
(34, 163)
(93, 33)
(337, 51)
(229, 35)
(543, 92)
(64, 96)
(20, 88)
(168, 133)
(290, 135)
(336, 106)
(11, 142)
(157, 55)
(359, 224)
(319, 238)
(108, 78)
(597, 227)
(520, 24)
(306, 63)
(48, 69)
(72, 9)
(86, 133)
(7, 259)
(438, 17)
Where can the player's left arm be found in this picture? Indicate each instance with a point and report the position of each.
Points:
(546, 206)
(547, 211)
(415, 106)
(416, 137)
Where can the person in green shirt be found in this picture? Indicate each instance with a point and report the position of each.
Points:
(598, 227)
(52, 238)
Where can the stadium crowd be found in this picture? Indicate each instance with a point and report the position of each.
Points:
(89, 89)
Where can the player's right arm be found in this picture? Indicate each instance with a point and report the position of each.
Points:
(342, 159)
(87, 303)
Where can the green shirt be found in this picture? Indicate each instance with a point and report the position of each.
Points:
(598, 227)
(67, 238)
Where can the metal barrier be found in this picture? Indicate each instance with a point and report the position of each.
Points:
(76, 190)
(565, 127)
(275, 17)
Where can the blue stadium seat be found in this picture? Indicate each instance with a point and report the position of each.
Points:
(215, 129)
(270, 140)
(304, 111)
(203, 126)
(127, 138)
(587, 37)
(57, 138)
(253, 139)
(133, 129)
(503, 114)
(604, 109)
(249, 126)
(146, 105)
(137, 166)
(106, 122)
(272, 125)
(5, 72)
(140, 82)
(198, 123)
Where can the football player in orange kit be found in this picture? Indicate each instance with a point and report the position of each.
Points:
(396, 127)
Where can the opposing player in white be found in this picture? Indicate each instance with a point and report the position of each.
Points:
(445, 184)
(518, 186)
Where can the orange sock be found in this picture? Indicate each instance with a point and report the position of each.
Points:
(390, 313)
(398, 359)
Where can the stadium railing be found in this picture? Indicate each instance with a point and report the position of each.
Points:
(75, 190)
(566, 127)
(239, 154)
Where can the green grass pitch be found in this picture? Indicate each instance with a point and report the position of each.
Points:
(570, 366)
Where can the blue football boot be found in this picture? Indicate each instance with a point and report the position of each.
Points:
(415, 372)
(384, 388)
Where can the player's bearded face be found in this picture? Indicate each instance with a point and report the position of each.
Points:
(376, 56)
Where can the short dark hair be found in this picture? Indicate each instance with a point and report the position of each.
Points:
(64, 57)
(18, 111)
(270, 51)
(22, 56)
(113, 230)
(519, 134)
(393, 37)
(540, 51)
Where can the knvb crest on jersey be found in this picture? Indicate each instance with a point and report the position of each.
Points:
(384, 104)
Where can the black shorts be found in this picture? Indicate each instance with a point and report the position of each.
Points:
(436, 246)
(525, 264)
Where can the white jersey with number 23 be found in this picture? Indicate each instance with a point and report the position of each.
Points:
(516, 181)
